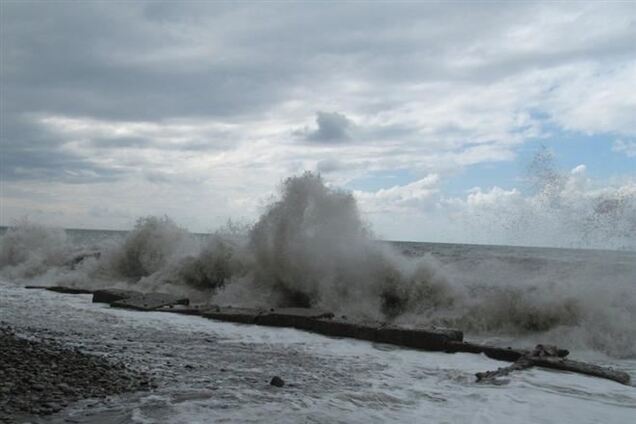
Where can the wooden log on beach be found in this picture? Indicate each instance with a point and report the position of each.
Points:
(547, 356)
(491, 376)
(582, 368)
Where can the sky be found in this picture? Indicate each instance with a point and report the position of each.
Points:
(480, 122)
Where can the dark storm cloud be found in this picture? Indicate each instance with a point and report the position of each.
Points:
(120, 143)
(331, 128)
(115, 62)
(28, 152)
(146, 143)
(335, 127)
(157, 60)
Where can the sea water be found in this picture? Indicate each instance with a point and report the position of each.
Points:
(311, 247)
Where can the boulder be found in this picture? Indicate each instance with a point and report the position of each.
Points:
(150, 301)
(277, 381)
(112, 295)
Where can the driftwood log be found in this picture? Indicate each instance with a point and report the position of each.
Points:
(547, 356)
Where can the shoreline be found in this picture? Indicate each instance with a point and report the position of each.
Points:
(39, 376)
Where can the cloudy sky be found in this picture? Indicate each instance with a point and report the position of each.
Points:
(455, 121)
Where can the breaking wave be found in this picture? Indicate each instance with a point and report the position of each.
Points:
(310, 247)
(28, 249)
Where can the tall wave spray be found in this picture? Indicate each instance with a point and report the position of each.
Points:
(311, 248)
(561, 209)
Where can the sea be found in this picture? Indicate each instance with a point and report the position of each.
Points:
(207, 371)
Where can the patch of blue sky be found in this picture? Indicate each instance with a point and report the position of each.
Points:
(570, 149)
(505, 175)
(382, 179)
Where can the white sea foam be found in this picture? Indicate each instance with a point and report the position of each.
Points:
(311, 248)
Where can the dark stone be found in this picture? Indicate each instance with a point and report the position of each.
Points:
(277, 381)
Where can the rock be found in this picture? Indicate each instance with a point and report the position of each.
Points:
(150, 301)
(112, 295)
(277, 381)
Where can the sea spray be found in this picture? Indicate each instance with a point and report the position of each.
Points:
(564, 208)
(153, 243)
(28, 249)
(310, 247)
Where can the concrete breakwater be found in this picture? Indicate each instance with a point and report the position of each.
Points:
(323, 322)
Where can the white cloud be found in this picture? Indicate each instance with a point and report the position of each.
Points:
(579, 213)
(201, 103)
(416, 195)
(626, 147)
(594, 99)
